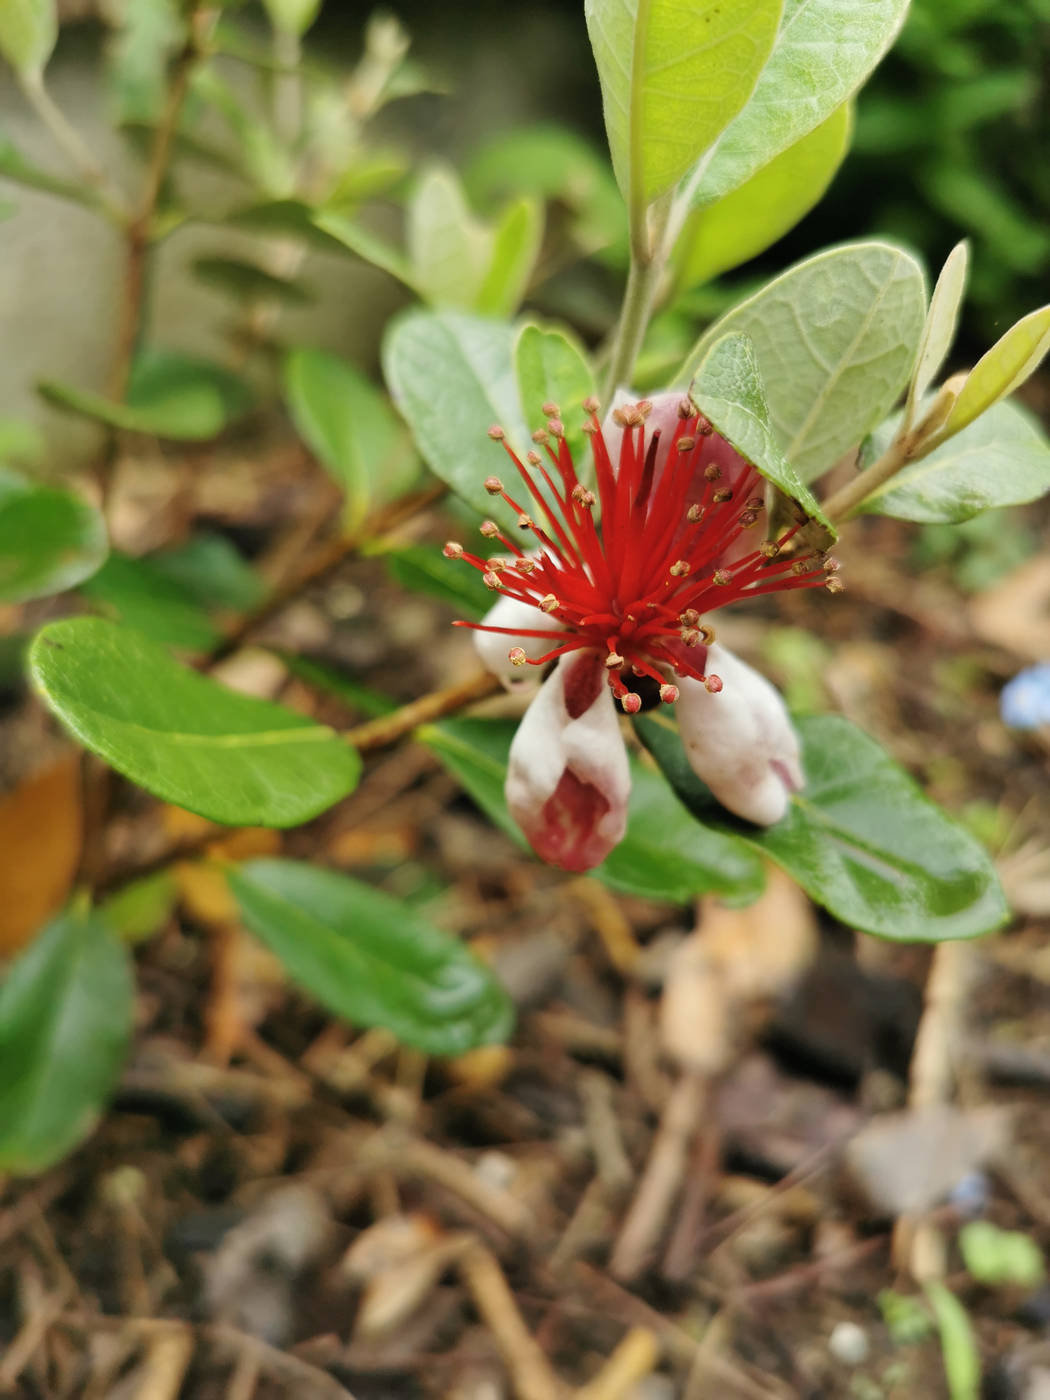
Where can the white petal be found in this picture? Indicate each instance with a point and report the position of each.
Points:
(568, 779)
(492, 647)
(740, 742)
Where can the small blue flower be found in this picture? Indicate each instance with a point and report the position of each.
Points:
(1025, 701)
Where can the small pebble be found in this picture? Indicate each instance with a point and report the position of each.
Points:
(848, 1343)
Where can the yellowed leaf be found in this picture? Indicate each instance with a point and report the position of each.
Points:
(41, 827)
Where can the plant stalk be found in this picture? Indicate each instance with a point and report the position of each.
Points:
(643, 283)
(378, 733)
(138, 229)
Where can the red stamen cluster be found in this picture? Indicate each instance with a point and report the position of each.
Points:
(635, 585)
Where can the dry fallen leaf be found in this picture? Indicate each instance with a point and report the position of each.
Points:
(764, 948)
(40, 837)
(906, 1163)
(1015, 613)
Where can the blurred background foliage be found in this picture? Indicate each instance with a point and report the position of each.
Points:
(942, 147)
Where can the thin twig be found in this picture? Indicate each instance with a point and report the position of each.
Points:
(530, 1372)
(662, 1179)
(378, 733)
(139, 228)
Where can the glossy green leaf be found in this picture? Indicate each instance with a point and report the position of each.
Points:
(183, 737)
(823, 52)
(65, 1020)
(1002, 369)
(246, 281)
(452, 377)
(664, 855)
(835, 338)
(346, 420)
(212, 573)
(861, 839)
(746, 222)
(728, 390)
(28, 31)
(448, 248)
(552, 367)
(135, 593)
(50, 540)
(516, 241)
(673, 76)
(962, 1360)
(422, 568)
(370, 959)
(170, 395)
(941, 319)
(1000, 459)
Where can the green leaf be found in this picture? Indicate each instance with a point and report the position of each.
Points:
(265, 161)
(962, 1361)
(138, 910)
(1002, 369)
(673, 76)
(861, 839)
(1001, 1258)
(516, 244)
(135, 593)
(329, 680)
(245, 281)
(147, 34)
(14, 166)
(552, 367)
(170, 395)
(824, 51)
(210, 571)
(343, 233)
(452, 377)
(835, 339)
(449, 250)
(65, 1021)
(293, 16)
(185, 738)
(349, 424)
(664, 854)
(21, 442)
(939, 330)
(28, 31)
(554, 163)
(370, 958)
(50, 540)
(1001, 459)
(422, 568)
(728, 390)
(746, 222)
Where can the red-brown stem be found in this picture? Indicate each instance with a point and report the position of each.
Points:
(378, 733)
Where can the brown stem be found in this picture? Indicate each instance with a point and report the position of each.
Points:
(139, 228)
(378, 733)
